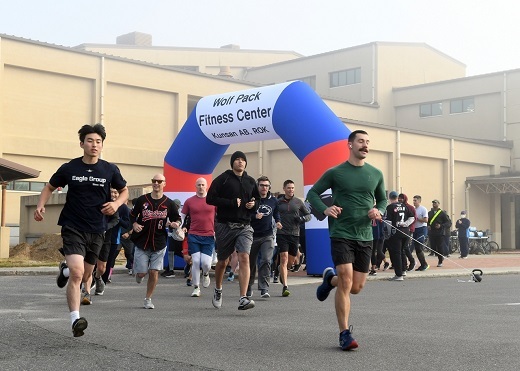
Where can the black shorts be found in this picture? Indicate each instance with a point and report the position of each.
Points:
(349, 251)
(85, 244)
(288, 243)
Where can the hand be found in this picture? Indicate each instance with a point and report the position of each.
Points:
(239, 201)
(187, 258)
(137, 227)
(174, 225)
(374, 214)
(333, 211)
(38, 214)
(109, 208)
(259, 215)
(279, 225)
(125, 235)
(251, 203)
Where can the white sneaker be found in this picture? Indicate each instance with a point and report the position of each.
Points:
(396, 278)
(130, 272)
(404, 274)
(205, 280)
(148, 304)
(217, 298)
(196, 292)
(139, 279)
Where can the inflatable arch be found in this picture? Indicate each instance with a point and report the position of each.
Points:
(290, 111)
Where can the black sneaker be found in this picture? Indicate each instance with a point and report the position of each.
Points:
(385, 267)
(372, 273)
(187, 270)
(411, 267)
(79, 326)
(168, 274)
(61, 280)
(275, 279)
(245, 303)
(285, 292)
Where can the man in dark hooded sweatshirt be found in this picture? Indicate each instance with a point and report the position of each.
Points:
(235, 195)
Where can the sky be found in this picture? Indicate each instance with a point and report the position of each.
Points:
(479, 33)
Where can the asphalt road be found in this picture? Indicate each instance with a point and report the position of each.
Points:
(428, 323)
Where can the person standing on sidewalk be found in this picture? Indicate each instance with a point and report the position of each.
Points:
(438, 222)
(83, 219)
(355, 186)
(263, 237)
(201, 235)
(235, 195)
(462, 226)
(150, 216)
(398, 217)
(421, 232)
(292, 212)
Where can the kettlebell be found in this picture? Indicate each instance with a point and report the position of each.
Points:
(477, 275)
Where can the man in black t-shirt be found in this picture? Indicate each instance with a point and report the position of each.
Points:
(398, 217)
(84, 215)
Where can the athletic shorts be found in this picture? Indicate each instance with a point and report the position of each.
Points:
(203, 244)
(288, 243)
(357, 253)
(232, 237)
(85, 244)
(145, 260)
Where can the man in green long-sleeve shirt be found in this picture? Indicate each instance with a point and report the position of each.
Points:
(358, 198)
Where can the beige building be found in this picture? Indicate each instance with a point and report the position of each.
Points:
(434, 132)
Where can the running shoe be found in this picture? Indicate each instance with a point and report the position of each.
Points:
(217, 298)
(245, 303)
(386, 266)
(323, 290)
(188, 282)
(205, 280)
(168, 274)
(346, 341)
(396, 278)
(100, 286)
(403, 274)
(264, 294)
(372, 273)
(79, 326)
(148, 304)
(196, 292)
(411, 267)
(285, 292)
(61, 280)
(439, 265)
(275, 279)
(130, 272)
(85, 298)
(139, 279)
(423, 268)
(231, 277)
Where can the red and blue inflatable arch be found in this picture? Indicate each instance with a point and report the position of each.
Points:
(290, 111)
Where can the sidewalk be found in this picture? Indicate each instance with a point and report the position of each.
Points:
(498, 263)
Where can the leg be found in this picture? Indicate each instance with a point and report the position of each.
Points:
(243, 275)
(195, 268)
(253, 257)
(264, 265)
(343, 282)
(153, 275)
(77, 269)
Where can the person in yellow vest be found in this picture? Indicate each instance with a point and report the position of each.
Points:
(438, 221)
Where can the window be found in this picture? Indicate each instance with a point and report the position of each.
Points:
(346, 77)
(310, 80)
(430, 109)
(24, 185)
(462, 105)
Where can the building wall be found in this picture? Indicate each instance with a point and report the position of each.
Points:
(48, 92)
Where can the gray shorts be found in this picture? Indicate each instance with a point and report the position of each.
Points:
(231, 237)
(145, 260)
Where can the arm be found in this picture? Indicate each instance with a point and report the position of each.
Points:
(381, 201)
(305, 214)
(213, 198)
(44, 197)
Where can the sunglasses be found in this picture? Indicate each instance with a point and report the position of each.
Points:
(158, 181)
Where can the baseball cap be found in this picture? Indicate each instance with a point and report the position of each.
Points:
(436, 201)
(392, 195)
